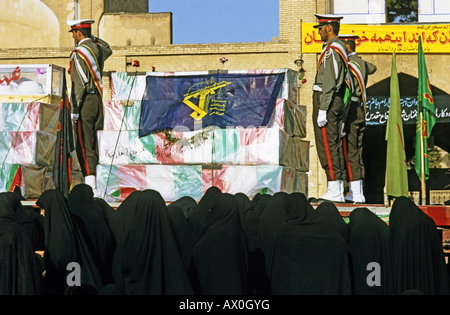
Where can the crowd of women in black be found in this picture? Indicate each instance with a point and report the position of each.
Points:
(222, 245)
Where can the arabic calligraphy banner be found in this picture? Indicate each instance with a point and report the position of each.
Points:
(193, 102)
(377, 109)
(385, 38)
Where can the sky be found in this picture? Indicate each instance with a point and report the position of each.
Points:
(220, 21)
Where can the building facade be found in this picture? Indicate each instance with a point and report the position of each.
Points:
(36, 32)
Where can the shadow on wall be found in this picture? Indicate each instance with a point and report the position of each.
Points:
(28, 24)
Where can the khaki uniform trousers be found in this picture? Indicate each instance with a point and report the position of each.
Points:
(355, 126)
(328, 139)
(89, 122)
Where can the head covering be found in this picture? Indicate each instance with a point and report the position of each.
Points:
(186, 239)
(119, 223)
(60, 247)
(103, 208)
(187, 204)
(370, 242)
(81, 23)
(252, 216)
(31, 219)
(221, 254)
(244, 206)
(94, 238)
(330, 213)
(351, 37)
(20, 272)
(269, 226)
(258, 280)
(309, 256)
(197, 218)
(324, 19)
(179, 212)
(149, 261)
(419, 261)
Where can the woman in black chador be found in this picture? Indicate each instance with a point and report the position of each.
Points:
(221, 254)
(269, 225)
(419, 262)
(250, 212)
(370, 247)
(60, 247)
(20, 273)
(197, 217)
(309, 256)
(95, 240)
(147, 259)
(179, 211)
(330, 213)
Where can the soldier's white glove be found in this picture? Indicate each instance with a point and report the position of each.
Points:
(74, 117)
(322, 118)
(342, 130)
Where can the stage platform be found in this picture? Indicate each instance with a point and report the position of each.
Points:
(439, 213)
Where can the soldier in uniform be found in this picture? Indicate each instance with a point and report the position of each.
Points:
(86, 70)
(355, 123)
(329, 106)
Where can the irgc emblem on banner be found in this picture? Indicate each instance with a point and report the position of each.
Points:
(203, 91)
(197, 101)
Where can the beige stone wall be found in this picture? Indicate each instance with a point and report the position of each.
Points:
(136, 29)
(164, 56)
(408, 63)
(22, 20)
(64, 11)
(43, 23)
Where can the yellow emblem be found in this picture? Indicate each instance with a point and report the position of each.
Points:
(202, 92)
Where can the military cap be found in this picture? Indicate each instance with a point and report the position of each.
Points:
(352, 37)
(326, 19)
(82, 23)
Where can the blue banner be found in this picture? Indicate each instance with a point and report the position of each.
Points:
(197, 101)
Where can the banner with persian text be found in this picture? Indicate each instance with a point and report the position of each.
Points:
(387, 38)
(377, 109)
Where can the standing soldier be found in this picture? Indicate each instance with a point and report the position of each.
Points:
(331, 90)
(86, 70)
(356, 120)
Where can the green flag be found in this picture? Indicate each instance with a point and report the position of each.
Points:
(396, 172)
(425, 105)
(62, 169)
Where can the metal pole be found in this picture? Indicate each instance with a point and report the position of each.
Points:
(75, 11)
(120, 129)
(422, 161)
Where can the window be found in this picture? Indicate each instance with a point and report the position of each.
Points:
(401, 11)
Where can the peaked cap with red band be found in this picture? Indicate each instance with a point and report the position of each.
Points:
(352, 37)
(326, 19)
(77, 24)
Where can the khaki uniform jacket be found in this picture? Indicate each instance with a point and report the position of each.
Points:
(367, 69)
(330, 76)
(102, 51)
